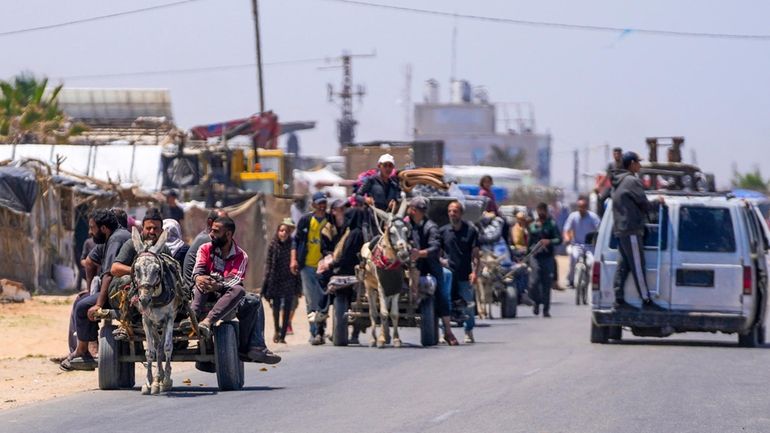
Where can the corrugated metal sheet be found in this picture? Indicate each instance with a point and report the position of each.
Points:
(115, 104)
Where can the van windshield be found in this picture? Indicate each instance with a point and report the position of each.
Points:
(706, 229)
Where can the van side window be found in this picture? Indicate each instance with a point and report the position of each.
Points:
(650, 232)
(706, 229)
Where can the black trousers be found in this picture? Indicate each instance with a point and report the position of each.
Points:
(631, 259)
(541, 280)
(282, 305)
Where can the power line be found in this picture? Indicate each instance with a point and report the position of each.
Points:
(193, 69)
(96, 18)
(565, 26)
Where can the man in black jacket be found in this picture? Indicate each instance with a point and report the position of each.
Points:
(544, 235)
(629, 211)
(383, 189)
(427, 255)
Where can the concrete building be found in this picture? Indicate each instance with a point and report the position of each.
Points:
(468, 125)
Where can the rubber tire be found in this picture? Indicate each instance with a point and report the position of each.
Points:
(751, 339)
(428, 324)
(581, 284)
(228, 363)
(599, 334)
(615, 333)
(761, 336)
(109, 367)
(127, 370)
(509, 303)
(339, 321)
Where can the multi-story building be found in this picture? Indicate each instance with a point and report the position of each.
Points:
(468, 125)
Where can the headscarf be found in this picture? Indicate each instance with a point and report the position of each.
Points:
(174, 241)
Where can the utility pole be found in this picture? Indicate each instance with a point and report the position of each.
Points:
(346, 124)
(575, 170)
(255, 11)
(407, 101)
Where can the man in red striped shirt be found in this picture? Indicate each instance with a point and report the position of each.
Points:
(220, 268)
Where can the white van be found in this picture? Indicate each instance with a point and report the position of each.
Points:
(711, 274)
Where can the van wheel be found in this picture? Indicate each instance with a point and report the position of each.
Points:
(615, 333)
(750, 339)
(599, 334)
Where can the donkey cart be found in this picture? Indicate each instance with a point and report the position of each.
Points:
(218, 354)
(352, 307)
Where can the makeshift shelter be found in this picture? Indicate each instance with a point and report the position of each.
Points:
(41, 214)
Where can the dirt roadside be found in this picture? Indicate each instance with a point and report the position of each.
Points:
(36, 330)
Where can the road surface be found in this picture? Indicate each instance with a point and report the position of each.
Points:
(528, 374)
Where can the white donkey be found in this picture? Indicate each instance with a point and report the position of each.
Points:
(158, 304)
(384, 267)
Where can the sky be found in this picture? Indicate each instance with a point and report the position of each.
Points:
(588, 88)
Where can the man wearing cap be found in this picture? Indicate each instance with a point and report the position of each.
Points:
(383, 189)
(629, 211)
(307, 251)
(425, 236)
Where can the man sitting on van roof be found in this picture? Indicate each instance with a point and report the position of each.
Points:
(629, 212)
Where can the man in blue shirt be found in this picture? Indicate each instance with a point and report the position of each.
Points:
(579, 224)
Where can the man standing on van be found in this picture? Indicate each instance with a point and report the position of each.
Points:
(629, 211)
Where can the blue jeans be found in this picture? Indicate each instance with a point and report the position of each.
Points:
(315, 299)
(465, 291)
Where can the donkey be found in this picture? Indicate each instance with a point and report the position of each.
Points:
(384, 266)
(158, 304)
(490, 278)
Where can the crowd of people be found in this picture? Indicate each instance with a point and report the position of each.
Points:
(211, 269)
(310, 248)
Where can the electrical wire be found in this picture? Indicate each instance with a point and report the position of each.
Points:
(96, 18)
(557, 25)
(193, 69)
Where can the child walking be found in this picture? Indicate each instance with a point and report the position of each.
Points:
(281, 288)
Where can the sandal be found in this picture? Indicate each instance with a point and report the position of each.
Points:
(83, 363)
(451, 340)
(120, 334)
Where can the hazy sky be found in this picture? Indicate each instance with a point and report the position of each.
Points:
(588, 88)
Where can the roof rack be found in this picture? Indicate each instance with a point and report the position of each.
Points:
(682, 193)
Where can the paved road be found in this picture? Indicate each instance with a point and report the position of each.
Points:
(524, 375)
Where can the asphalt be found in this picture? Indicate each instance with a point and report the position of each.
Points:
(528, 374)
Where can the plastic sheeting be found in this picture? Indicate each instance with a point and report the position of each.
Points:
(18, 189)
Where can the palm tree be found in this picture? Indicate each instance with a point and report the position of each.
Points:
(29, 113)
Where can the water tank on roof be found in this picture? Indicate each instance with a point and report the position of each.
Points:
(461, 92)
(431, 92)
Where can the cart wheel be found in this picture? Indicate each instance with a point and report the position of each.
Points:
(109, 367)
(509, 303)
(428, 325)
(339, 321)
(229, 366)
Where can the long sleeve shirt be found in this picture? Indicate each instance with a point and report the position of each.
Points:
(231, 267)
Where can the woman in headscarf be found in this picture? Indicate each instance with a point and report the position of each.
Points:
(174, 242)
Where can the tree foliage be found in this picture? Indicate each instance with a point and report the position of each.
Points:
(752, 180)
(30, 113)
(500, 157)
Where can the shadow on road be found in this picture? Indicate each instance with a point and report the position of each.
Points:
(200, 391)
(684, 343)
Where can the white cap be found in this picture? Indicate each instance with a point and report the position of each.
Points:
(386, 158)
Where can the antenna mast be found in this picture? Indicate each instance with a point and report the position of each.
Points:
(346, 124)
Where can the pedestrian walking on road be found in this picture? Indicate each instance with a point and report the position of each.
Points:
(629, 212)
(460, 242)
(307, 251)
(281, 286)
(543, 237)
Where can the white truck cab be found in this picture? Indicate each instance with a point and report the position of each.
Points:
(707, 267)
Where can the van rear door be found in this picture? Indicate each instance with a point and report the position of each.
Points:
(707, 260)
